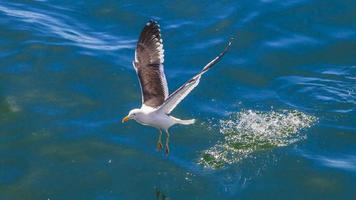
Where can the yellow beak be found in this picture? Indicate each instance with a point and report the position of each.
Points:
(125, 119)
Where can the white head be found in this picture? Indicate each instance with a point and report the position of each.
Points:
(133, 114)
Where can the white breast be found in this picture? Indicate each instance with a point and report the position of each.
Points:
(155, 119)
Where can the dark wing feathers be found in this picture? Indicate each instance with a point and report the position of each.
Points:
(149, 58)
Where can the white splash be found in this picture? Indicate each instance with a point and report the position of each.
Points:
(249, 131)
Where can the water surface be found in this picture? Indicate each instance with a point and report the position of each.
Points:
(280, 108)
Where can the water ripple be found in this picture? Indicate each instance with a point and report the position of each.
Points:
(293, 40)
(83, 38)
(332, 86)
(347, 162)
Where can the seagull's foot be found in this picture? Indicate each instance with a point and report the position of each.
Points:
(159, 146)
(167, 150)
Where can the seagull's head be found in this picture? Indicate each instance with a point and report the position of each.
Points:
(133, 114)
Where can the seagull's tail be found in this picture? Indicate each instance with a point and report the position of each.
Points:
(184, 122)
(187, 122)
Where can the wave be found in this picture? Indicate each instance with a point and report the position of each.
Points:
(332, 86)
(342, 162)
(47, 24)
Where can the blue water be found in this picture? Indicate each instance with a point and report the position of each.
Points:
(276, 117)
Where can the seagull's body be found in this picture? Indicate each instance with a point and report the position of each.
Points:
(154, 117)
(156, 103)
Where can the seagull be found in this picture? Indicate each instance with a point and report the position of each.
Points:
(157, 104)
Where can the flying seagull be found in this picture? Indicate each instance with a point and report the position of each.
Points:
(157, 104)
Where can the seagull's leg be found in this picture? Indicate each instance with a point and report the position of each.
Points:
(159, 141)
(167, 142)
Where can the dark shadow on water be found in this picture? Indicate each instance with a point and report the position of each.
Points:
(160, 195)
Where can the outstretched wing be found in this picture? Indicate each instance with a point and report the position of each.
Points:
(176, 97)
(148, 63)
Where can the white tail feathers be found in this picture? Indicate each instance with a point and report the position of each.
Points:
(187, 122)
(184, 122)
